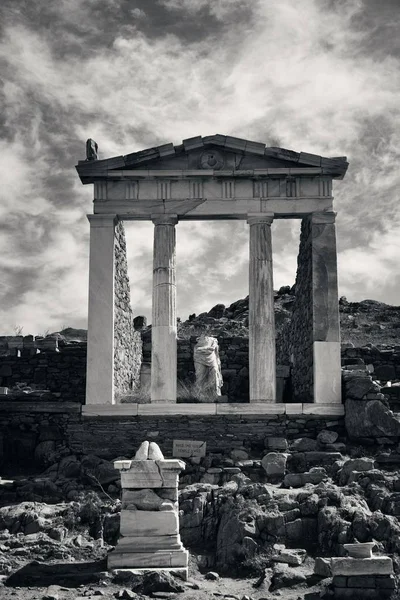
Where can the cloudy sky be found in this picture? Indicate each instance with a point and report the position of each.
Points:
(320, 76)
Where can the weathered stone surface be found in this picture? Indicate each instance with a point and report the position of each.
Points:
(262, 363)
(239, 454)
(155, 452)
(142, 499)
(355, 464)
(43, 451)
(274, 464)
(315, 476)
(100, 349)
(370, 419)
(291, 557)
(286, 576)
(164, 345)
(327, 437)
(379, 565)
(159, 558)
(143, 451)
(276, 443)
(128, 342)
(358, 384)
(322, 566)
(303, 445)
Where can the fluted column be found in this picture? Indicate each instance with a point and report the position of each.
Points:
(163, 332)
(100, 344)
(262, 367)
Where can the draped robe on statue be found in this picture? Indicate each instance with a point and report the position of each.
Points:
(208, 368)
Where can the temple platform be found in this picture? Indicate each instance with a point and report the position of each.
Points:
(235, 408)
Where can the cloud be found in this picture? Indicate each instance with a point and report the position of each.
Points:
(319, 76)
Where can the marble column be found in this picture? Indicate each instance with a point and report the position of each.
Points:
(262, 362)
(163, 332)
(100, 344)
(326, 327)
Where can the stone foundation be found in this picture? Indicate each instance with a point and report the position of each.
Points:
(362, 578)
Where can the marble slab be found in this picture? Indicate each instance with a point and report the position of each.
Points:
(327, 373)
(160, 558)
(378, 565)
(148, 523)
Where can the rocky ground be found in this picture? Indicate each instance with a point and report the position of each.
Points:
(260, 532)
(361, 322)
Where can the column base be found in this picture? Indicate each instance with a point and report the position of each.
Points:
(155, 558)
(327, 373)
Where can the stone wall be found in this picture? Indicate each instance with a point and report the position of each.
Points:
(383, 363)
(295, 345)
(33, 429)
(127, 342)
(61, 370)
(222, 433)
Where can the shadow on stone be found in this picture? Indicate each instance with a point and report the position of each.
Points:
(64, 574)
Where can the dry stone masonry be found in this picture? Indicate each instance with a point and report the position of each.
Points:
(127, 341)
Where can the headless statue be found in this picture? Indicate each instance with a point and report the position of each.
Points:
(91, 150)
(208, 368)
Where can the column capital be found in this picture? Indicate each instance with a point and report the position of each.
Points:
(102, 220)
(164, 219)
(257, 218)
(323, 217)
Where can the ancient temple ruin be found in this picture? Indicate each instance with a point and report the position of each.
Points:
(213, 178)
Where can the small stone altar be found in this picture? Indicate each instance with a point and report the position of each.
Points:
(149, 531)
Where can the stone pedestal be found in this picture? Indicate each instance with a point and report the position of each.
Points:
(370, 578)
(262, 362)
(149, 517)
(326, 329)
(163, 333)
(100, 344)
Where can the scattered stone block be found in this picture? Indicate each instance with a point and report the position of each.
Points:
(212, 576)
(293, 557)
(296, 480)
(355, 464)
(239, 454)
(327, 437)
(322, 567)
(303, 445)
(285, 576)
(370, 419)
(276, 443)
(52, 593)
(274, 464)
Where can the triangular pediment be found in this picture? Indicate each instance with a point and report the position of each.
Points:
(216, 153)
